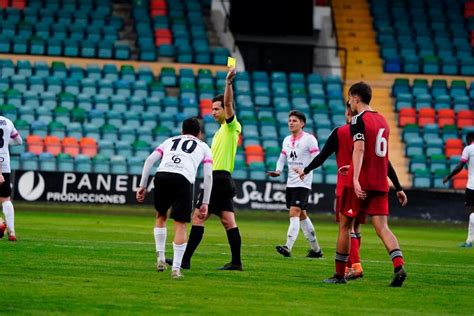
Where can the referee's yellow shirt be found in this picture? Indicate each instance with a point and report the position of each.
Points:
(224, 145)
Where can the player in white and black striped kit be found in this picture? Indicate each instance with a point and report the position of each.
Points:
(8, 134)
(298, 150)
(180, 158)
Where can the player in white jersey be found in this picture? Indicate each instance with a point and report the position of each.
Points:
(8, 134)
(467, 158)
(180, 158)
(299, 149)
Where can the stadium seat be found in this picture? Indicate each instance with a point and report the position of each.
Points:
(465, 118)
(118, 165)
(438, 177)
(88, 146)
(101, 164)
(29, 161)
(47, 162)
(70, 146)
(426, 116)
(445, 117)
(52, 145)
(406, 116)
(422, 179)
(65, 162)
(34, 144)
(453, 147)
(459, 181)
(135, 165)
(82, 164)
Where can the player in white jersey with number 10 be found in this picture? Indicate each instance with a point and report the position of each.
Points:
(298, 150)
(180, 158)
(8, 133)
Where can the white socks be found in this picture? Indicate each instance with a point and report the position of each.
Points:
(160, 240)
(9, 214)
(308, 231)
(470, 231)
(293, 231)
(178, 252)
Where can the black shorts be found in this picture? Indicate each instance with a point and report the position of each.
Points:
(469, 196)
(297, 197)
(5, 187)
(175, 191)
(222, 193)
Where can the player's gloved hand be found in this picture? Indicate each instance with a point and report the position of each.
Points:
(402, 198)
(2, 179)
(300, 172)
(273, 173)
(344, 170)
(203, 211)
(141, 195)
(358, 190)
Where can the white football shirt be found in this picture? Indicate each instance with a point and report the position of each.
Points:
(182, 154)
(7, 132)
(468, 157)
(299, 151)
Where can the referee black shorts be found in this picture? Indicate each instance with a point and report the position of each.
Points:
(5, 187)
(175, 191)
(469, 197)
(222, 193)
(297, 197)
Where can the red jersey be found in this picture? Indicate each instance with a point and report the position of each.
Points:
(343, 155)
(371, 128)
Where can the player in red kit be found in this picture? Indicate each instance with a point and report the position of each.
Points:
(340, 143)
(366, 191)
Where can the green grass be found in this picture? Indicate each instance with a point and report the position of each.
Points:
(78, 263)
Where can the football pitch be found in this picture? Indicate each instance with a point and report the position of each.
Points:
(101, 260)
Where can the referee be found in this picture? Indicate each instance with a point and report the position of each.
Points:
(223, 147)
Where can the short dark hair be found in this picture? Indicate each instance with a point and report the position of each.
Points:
(470, 138)
(299, 115)
(362, 90)
(191, 126)
(219, 98)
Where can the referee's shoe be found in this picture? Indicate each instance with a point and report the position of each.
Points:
(231, 266)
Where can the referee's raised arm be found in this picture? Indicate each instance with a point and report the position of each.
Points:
(229, 94)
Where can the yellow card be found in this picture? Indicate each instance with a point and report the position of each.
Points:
(231, 62)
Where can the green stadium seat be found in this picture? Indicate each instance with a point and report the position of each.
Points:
(29, 161)
(422, 179)
(47, 162)
(101, 164)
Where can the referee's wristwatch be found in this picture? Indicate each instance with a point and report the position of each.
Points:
(227, 82)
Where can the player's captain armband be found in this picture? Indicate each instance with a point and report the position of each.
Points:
(358, 136)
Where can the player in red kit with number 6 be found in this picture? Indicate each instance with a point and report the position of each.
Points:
(367, 187)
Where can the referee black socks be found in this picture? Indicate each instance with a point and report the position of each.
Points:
(195, 237)
(233, 236)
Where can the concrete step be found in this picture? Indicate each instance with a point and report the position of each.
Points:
(356, 62)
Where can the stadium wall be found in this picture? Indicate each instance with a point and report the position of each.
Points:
(34, 186)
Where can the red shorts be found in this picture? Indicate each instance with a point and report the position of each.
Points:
(376, 203)
(361, 216)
